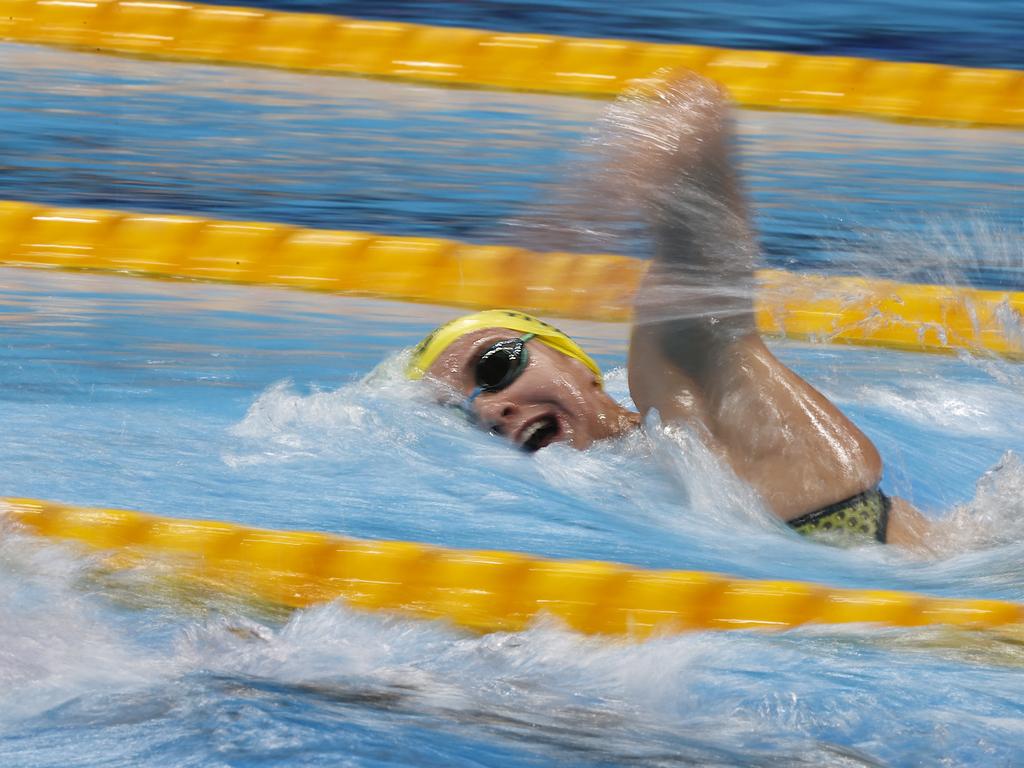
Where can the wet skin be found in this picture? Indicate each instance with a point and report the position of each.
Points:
(555, 399)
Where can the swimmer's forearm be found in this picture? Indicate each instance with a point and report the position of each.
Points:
(701, 283)
(695, 199)
(692, 327)
(700, 221)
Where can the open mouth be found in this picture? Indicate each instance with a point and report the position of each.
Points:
(539, 433)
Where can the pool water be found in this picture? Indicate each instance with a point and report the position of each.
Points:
(285, 409)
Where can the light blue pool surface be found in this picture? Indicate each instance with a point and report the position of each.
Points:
(284, 409)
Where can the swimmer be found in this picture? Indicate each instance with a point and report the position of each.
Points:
(695, 355)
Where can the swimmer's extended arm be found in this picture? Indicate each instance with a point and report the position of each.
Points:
(695, 353)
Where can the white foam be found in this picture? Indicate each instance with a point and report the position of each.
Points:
(954, 408)
(994, 517)
(55, 642)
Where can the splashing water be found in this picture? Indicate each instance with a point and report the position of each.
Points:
(121, 669)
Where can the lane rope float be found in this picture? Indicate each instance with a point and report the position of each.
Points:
(599, 287)
(550, 63)
(485, 590)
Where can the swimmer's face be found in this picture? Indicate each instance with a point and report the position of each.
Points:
(555, 399)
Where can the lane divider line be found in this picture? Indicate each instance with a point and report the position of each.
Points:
(851, 310)
(484, 58)
(485, 591)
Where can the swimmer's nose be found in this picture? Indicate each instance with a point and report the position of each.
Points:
(497, 414)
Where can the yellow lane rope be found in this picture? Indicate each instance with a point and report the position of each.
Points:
(484, 590)
(335, 44)
(587, 286)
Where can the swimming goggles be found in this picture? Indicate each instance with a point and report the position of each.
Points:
(499, 365)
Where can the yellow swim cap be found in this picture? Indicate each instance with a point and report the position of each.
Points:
(428, 350)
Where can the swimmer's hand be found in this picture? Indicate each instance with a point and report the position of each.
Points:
(667, 135)
(672, 149)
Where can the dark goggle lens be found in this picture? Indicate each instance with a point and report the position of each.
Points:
(501, 364)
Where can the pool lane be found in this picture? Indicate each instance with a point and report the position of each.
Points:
(411, 159)
(971, 33)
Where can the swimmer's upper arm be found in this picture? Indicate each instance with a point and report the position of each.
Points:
(776, 431)
(695, 353)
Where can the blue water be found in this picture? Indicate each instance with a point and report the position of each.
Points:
(284, 409)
